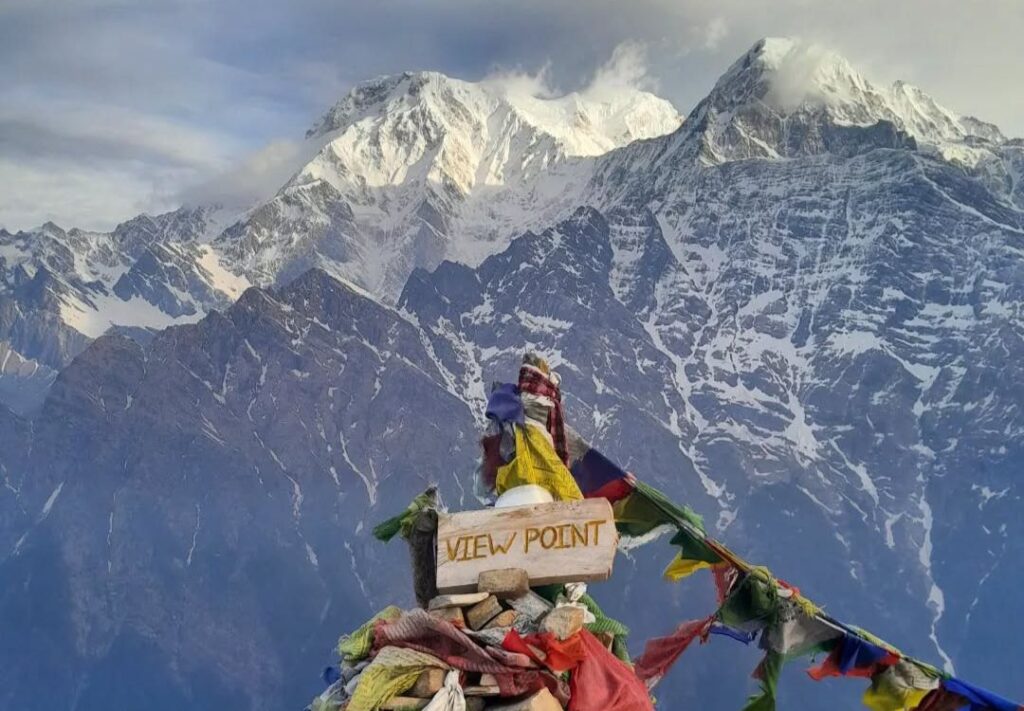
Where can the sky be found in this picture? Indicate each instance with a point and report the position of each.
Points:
(109, 108)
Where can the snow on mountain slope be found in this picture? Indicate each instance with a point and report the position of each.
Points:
(403, 172)
(59, 289)
(417, 168)
(849, 259)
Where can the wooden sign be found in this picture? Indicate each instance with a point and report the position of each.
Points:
(564, 541)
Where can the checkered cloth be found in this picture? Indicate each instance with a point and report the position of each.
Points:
(534, 382)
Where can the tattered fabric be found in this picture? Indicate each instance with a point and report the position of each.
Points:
(980, 699)
(603, 624)
(600, 478)
(694, 554)
(745, 637)
(504, 404)
(392, 671)
(767, 673)
(681, 567)
(647, 508)
(901, 686)
(421, 631)
(536, 463)
(752, 604)
(356, 646)
(534, 382)
(795, 633)
(602, 682)
(854, 657)
(942, 700)
(402, 523)
(660, 653)
(557, 655)
(450, 697)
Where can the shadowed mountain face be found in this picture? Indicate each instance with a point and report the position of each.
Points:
(799, 315)
(185, 517)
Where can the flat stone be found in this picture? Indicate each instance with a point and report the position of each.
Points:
(540, 701)
(531, 605)
(505, 583)
(563, 622)
(483, 612)
(450, 614)
(481, 690)
(460, 600)
(490, 636)
(404, 703)
(475, 703)
(428, 684)
(505, 618)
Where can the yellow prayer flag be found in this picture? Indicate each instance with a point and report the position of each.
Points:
(681, 567)
(890, 697)
(536, 462)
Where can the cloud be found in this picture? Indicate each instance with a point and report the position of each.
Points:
(627, 68)
(91, 197)
(717, 30)
(796, 75)
(257, 176)
(520, 82)
(77, 131)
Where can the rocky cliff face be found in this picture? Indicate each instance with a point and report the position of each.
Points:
(799, 313)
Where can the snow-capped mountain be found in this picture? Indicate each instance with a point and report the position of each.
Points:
(403, 172)
(786, 98)
(799, 312)
(418, 168)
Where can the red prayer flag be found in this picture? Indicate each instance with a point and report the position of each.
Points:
(661, 653)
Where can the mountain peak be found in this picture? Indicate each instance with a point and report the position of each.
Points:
(422, 167)
(588, 122)
(787, 96)
(373, 96)
(787, 74)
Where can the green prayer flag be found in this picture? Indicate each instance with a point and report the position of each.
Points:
(647, 508)
(403, 522)
(603, 623)
(694, 548)
(768, 672)
(356, 646)
(754, 602)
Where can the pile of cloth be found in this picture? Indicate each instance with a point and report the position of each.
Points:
(544, 649)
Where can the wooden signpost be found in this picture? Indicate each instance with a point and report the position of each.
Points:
(564, 541)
